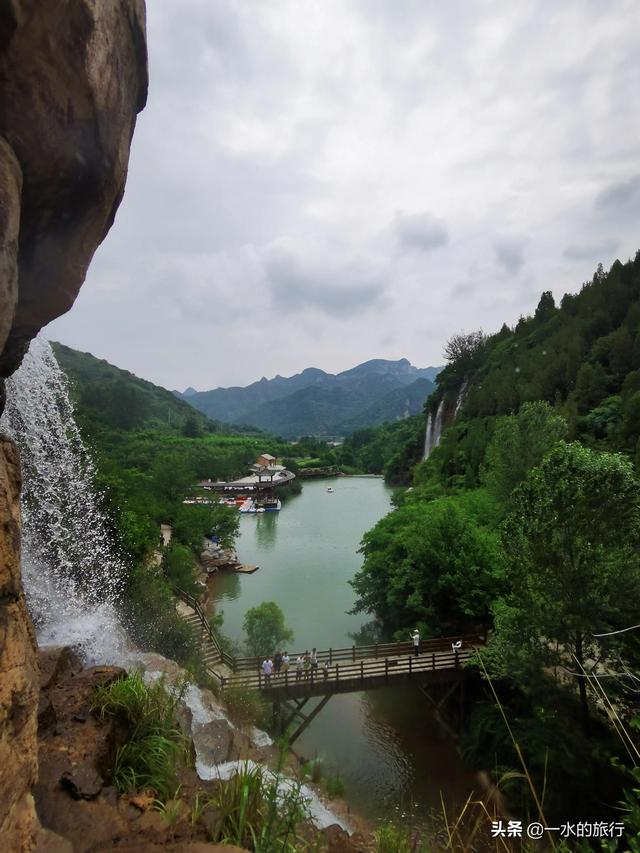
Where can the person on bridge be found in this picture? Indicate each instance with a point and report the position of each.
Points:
(307, 664)
(277, 663)
(267, 669)
(314, 659)
(299, 667)
(415, 639)
(286, 660)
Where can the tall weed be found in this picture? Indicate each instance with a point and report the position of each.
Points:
(155, 748)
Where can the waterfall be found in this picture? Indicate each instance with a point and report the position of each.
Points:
(433, 431)
(71, 571)
(427, 437)
(462, 393)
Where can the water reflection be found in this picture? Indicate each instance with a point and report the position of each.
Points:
(266, 530)
(223, 586)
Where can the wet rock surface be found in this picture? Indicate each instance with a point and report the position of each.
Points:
(76, 749)
(18, 671)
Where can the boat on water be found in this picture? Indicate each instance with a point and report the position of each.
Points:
(253, 506)
(329, 489)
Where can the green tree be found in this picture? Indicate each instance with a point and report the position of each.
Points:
(178, 566)
(631, 419)
(571, 546)
(519, 442)
(464, 350)
(195, 521)
(431, 564)
(265, 629)
(191, 428)
(172, 478)
(546, 306)
(591, 385)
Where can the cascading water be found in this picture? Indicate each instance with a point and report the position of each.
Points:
(434, 430)
(427, 437)
(71, 571)
(462, 393)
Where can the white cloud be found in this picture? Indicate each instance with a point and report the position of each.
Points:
(280, 140)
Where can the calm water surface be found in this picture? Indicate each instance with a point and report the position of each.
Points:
(390, 752)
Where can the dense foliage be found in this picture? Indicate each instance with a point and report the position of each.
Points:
(412, 577)
(510, 526)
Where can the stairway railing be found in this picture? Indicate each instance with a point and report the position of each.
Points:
(223, 656)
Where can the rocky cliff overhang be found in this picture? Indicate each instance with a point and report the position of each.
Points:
(73, 76)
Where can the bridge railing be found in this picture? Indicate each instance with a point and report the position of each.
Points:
(361, 671)
(378, 650)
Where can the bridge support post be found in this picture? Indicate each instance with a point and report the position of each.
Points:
(451, 720)
(286, 714)
(276, 716)
(308, 719)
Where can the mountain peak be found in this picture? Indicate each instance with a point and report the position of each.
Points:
(316, 402)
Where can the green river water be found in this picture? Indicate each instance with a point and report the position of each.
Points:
(393, 756)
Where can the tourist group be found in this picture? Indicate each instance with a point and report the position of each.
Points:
(304, 665)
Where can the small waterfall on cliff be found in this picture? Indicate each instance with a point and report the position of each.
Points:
(71, 572)
(462, 393)
(434, 430)
(427, 437)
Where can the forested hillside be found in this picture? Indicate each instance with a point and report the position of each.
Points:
(582, 357)
(525, 521)
(116, 399)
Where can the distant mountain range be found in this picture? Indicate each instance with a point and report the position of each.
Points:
(317, 403)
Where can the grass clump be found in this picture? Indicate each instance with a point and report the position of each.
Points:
(155, 748)
(247, 705)
(260, 810)
(394, 839)
(334, 785)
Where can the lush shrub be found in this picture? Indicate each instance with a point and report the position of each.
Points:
(394, 839)
(155, 747)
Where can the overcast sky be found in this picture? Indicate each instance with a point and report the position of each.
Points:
(320, 182)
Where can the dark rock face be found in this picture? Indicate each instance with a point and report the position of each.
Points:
(73, 76)
(76, 750)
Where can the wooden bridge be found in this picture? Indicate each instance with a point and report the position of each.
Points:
(437, 669)
(357, 668)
